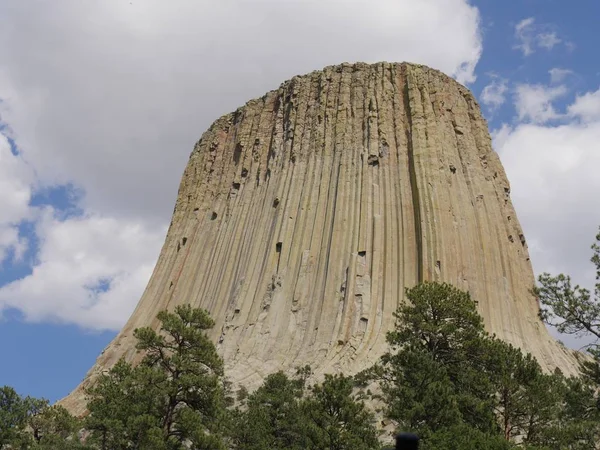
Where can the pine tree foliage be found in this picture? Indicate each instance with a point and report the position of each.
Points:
(448, 380)
(337, 418)
(31, 423)
(173, 399)
(575, 310)
(444, 377)
(284, 414)
(273, 416)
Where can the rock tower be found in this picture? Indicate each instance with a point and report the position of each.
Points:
(302, 217)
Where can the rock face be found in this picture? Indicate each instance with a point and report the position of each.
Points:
(303, 216)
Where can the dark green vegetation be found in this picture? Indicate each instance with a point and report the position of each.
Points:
(176, 398)
(282, 415)
(444, 377)
(575, 310)
(458, 387)
(29, 423)
(173, 397)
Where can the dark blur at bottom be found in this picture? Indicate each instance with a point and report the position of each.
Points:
(406, 441)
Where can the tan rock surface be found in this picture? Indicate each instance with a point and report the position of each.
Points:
(302, 217)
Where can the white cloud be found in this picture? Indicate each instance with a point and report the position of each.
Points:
(524, 34)
(494, 94)
(553, 174)
(554, 177)
(530, 35)
(586, 107)
(9, 240)
(111, 95)
(558, 75)
(15, 179)
(501, 135)
(76, 257)
(548, 40)
(534, 102)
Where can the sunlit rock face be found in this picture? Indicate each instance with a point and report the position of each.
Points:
(302, 217)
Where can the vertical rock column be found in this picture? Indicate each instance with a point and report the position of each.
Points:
(302, 217)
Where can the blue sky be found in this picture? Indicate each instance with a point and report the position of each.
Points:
(102, 101)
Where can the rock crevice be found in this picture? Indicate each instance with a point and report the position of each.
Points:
(302, 217)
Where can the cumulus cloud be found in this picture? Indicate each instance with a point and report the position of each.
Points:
(15, 179)
(10, 241)
(555, 184)
(494, 94)
(534, 102)
(110, 96)
(553, 172)
(90, 271)
(586, 107)
(531, 35)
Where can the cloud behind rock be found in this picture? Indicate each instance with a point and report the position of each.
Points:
(109, 97)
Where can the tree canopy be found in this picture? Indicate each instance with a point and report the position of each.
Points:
(575, 310)
(174, 398)
(444, 377)
(455, 385)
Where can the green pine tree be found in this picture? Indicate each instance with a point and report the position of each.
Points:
(32, 424)
(434, 376)
(455, 385)
(527, 401)
(337, 419)
(53, 427)
(14, 412)
(172, 400)
(273, 418)
(575, 310)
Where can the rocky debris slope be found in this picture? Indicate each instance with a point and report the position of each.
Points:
(302, 216)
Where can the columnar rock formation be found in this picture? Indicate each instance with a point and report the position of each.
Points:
(303, 216)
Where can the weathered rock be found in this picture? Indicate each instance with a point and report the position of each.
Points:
(303, 216)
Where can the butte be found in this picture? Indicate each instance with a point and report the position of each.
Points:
(302, 217)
